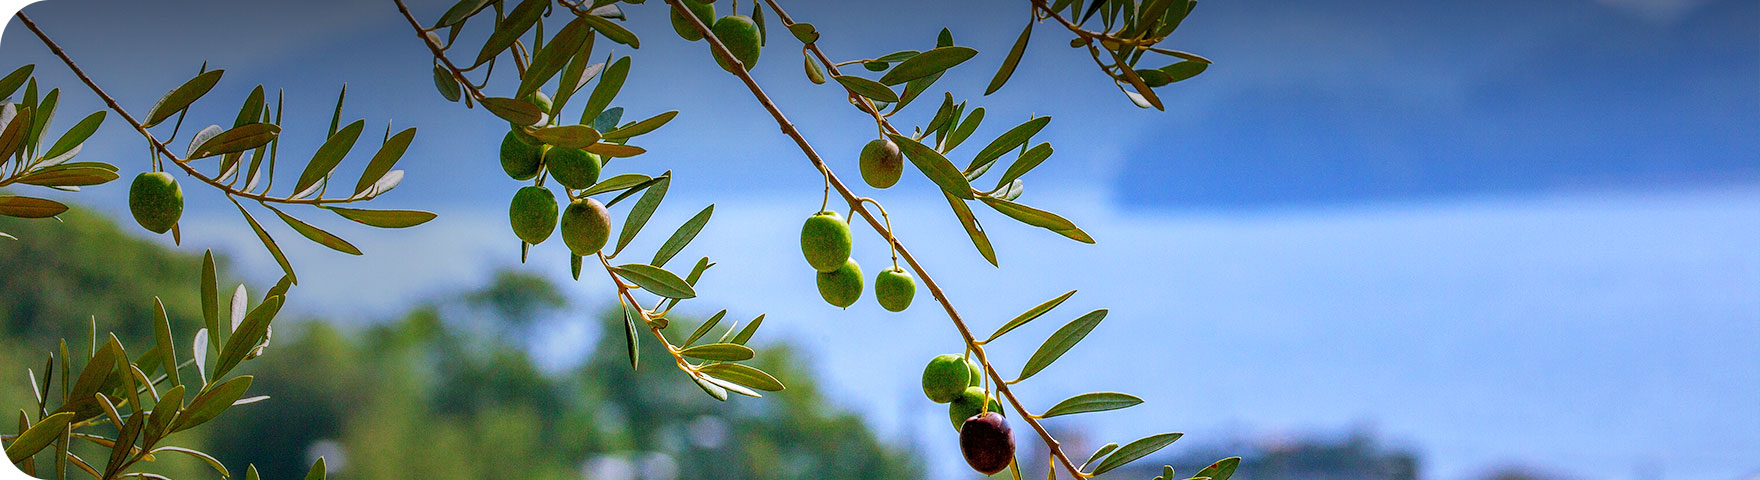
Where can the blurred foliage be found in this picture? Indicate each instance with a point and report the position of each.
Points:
(430, 395)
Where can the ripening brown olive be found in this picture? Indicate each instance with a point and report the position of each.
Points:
(987, 443)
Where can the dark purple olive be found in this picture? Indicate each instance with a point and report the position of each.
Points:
(987, 443)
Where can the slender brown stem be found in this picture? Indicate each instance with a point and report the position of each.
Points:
(856, 205)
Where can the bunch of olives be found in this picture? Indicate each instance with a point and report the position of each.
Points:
(825, 241)
(156, 201)
(739, 33)
(984, 436)
(585, 223)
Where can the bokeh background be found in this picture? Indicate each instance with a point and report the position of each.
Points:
(1379, 239)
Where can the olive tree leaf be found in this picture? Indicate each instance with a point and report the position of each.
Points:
(963, 131)
(179, 98)
(714, 391)
(318, 471)
(517, 22)
(76, 174)
(162, 338)
(33, 439)
(1025, 163)
(18, 126)
(517, 112)
(316, 234)
(29, 207)
(682, 237)
(1108, 448)
(248, 335)
(867, 88)
(613, 150)
(211, 403)
(973, 229)
(1011, 61)
(460, 11)
(238, 139)
(935, 166)
(924, 64)
(1010, 139)
(705, 327)
(722, 352)
(613, 31)
(445, 83)
(329, 155)
(268, 242)
(745, 334)
(644, 209)
(384, 218)
(1221, 470)
(570, 136)
(76, 135)
(1060, 342)
(548, 62)
(744, 375)
(1029, 315)
(205, 458)
(1039, 218)
(1092, 402)
(656, 280)
(12, 81)
(389, 153)
(210, 295)
(1136, 449)
(619, 182)
(815, 73)
(804, 32)
(638, 128)
(630, 337)
(610, 82)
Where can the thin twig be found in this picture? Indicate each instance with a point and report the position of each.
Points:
(856, 205)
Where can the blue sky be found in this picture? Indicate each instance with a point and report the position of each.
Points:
(1519, 232)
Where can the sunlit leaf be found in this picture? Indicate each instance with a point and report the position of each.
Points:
(1014, 137)
(610, 82)
(384, 218)
(1039, 218)
(238, 139)
(973, 229)
(210, 404)
(1011, 61)
(179, 98)
(316, 234)
(723, 352)
(1221, 470)
(38, 436)
(644, 209)
(744, 375)
(446, 84)
(569, 136)
(867, 88)
(1029, 315)
(935, 166)
(329, 155)
(682, 237)
(705, 327)
(388, 155)
(655, 280)
(76, 135)
(927, 63)
(619, 182)
(613, 31)
(518, 112)
(1136, 449)
(518, 21)
(638, 128)
(1061, 341)
(1092, 402)
(268, 242)
(29, 207)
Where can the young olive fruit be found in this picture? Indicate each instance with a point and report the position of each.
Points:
(894, 288)
(881, 163)
(970, 403)
(947, 376)
(541, 100)
(586, 226)
(740, 35)
(572, 167)
(521, 155)
(825, 241)
(533, 214)
(156, 201)
(841, 287)
(703, 11)
(987, 443)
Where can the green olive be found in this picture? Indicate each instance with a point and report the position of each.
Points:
(741, 37)
(987, 443)
(541, 100)
(841, 287)
(705, 12)
(586, 226)
(572, 167)
(947, 376)
(533, 214)
(521, 155)
(894, 288)
(881, 163)
(156, 201)
(825, 241)
(969, 404)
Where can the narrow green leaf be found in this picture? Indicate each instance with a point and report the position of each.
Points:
(12, 81)
(1014, 137)
(388, 155)
(745, 334)
(613, 31)
(682, 237)
(1061, 341)
(518, 112)
(446, 84)
(268, 242)
(655, 280)
(164, 411)
(1011, 61)
(517, 22)
(460, 11)
(608, 119)
(644, 209)
(964, 130)
(211, 403)
(867, 88)
(336, 115)
(927, 63)
(935, 166)
(14, 137)
(973, 229)
(238, 139)
(205, 458)
(384, 218)
(613, 150)
(33, 440)
(329, 155)
(77, 174)
(162, 337)
(76, 135)
(641, 127)
(804, 32)
(1029, 315)
(705, 327)
(1221, 470)
(570, 136)
(631, 339)
(555, 55)
(248, 335)
(714, 391)
(722, 352)
(1092, 402)
(815, 73)
(619, 182)
(1136, 449)
(318, 471)
(1039, 218)
(1025, 163)
(610, 82)
(179, 98)
(316, 234)
(744, 375)
(1108, 448)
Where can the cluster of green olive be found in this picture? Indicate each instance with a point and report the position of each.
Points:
(737, 32)
(156, 201)
(585, 223)
(984, 437)
(825, 241)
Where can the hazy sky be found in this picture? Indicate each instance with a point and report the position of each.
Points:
(1501, 232)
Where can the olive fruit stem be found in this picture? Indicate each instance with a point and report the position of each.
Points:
(855, 203)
